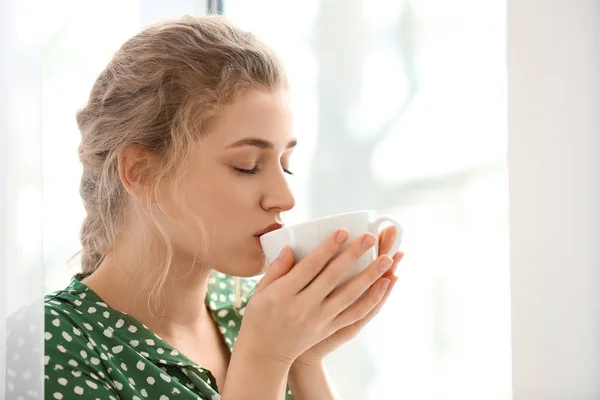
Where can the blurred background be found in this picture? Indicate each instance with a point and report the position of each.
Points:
(422, 109)
(400, 106)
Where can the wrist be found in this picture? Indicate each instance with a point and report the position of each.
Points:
(300, 366)
(254, 374)
(310, 381)
(261, 359)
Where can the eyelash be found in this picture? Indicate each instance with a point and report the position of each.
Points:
(255, 171)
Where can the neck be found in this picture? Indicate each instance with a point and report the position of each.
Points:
(122, 281)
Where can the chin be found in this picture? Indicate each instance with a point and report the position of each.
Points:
(254, 269)
(245, 268)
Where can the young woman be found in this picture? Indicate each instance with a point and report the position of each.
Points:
(185, 146)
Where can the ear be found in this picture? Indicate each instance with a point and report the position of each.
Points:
(137, 169)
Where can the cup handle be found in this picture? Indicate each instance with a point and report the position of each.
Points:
(374, 228)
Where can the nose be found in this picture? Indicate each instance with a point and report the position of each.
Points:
(277, 195)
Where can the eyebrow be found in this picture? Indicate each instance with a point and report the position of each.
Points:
(260, 143)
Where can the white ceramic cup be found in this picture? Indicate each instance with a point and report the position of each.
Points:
(303, 238)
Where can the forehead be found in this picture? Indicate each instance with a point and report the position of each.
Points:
(255, 113)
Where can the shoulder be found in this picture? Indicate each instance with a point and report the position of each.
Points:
(63, 323)
(64, 317)
(72, 359)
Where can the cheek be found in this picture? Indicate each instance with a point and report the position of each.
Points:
(220, 198)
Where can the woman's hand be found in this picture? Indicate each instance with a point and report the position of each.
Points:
(294, 309)
(316, 354)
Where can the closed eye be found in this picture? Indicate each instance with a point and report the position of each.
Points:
(252, 171)
(255, 171)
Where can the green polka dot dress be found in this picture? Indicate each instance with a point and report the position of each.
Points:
(95, 352)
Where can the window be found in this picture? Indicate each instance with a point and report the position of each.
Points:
(400, 106)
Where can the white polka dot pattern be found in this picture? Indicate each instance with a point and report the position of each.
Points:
(93, 351)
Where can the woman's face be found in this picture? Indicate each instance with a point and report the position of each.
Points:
(236, 184)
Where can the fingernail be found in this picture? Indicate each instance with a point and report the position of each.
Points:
(394, 233)
(385, 264)
(385, 284)
(281, 256)
(367, 241)
(341, 236)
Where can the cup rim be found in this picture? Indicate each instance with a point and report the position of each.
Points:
(365, 211)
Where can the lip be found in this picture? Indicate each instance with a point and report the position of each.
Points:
(267, 229)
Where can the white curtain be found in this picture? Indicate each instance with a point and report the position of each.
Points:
(21, 276)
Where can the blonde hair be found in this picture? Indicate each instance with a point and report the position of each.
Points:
(159, 93)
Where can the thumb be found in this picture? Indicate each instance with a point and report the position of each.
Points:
(386, 239)
(278, 268)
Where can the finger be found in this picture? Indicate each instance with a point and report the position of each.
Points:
(305, 271)
(344, 296)
(387, 237)
(397, 258)
(331, 276)
(364, 306)
(360, 324)
(278, 268)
